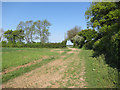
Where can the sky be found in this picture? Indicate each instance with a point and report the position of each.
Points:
(62, 15)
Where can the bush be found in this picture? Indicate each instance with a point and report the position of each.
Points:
(4, 43)
(10, 44)
(109, 46)
(78, 41)
(89, 45)
(36, 45)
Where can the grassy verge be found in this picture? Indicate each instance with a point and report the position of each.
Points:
(98, 73)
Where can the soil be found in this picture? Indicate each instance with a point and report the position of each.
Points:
(52, 75)
(25, 65)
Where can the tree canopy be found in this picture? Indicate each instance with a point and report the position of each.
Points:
(105, 18)
(72, 32)
(88, 34)
(35, 30)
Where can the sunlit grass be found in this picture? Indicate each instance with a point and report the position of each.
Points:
(12, 57)
(98, 73)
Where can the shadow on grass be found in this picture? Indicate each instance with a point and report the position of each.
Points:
(111, 60)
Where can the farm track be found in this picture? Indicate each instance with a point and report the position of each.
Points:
(67, 71)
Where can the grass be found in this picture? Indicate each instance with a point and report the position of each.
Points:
(98, 73)
(23, 70)
(65, 58)
(65, 51)
(12, 57)
(73, 68)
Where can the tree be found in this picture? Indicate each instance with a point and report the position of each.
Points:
(8, 35)
(42, 29)
(88, 34)
(18, 35)
(105, 17)
(14, 36)
(78, 41)
(28, 28)
(103, 13)
(21, 35)
(71, 33)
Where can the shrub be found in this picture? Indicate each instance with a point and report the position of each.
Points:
(109, 46)
(89, 45)
(78, 41)
(36, 45)
(4, 43)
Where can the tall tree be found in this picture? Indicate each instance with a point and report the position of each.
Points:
(105, 17)
(71, 33)
(28, 28)
(45, 31)
(21, 35)
(102, 14)
(42, 29)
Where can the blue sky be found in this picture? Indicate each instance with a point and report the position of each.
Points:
(62, 15)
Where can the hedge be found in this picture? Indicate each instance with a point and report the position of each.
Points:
(35, 45)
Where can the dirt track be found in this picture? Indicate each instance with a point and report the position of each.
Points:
(67, 71)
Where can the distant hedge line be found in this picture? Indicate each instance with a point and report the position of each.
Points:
(35, 45)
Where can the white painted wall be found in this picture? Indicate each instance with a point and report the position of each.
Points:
(69, 42)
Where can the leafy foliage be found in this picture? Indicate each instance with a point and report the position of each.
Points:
(35, 30)
(78, 41)
(103, 13)
(105, 18)
(71, 33)
(29, 31)
(88, 34)
(84, 37)
(34, 45)
(89, 45)
(42, 28)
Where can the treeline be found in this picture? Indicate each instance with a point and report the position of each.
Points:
(103, 32)
(27, 32)
(102, 36)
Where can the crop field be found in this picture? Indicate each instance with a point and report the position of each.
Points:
(21, 56)
(64, 45)
(53, 68)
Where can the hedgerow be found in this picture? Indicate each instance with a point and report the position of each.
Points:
(35, 45)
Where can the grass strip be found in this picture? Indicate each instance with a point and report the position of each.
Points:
(98, 73)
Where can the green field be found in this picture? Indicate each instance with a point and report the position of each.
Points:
(13, 57)
(60, 45)
(75, 67)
